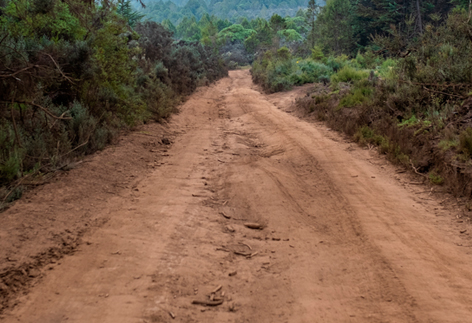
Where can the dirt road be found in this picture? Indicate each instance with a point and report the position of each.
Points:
(343, 239)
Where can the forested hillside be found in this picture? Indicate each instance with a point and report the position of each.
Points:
(233, 10)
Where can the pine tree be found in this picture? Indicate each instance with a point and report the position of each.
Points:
(311, 14)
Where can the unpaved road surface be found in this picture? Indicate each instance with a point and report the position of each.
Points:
(342, 240)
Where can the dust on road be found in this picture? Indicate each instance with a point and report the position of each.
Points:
(342, 240)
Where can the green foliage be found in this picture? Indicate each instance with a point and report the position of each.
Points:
(51, 18)
(358, 96)
(366, 135)
(232, 10)
(334, 27)
(349, 74)
(446, 144)
(412, 121)
(317, 54)
(235, 32)
(283, 54)
(465, 143)
(125, 9)
(435, 178)
(310, 71)
(289, 35)
(280, 71)
(73, 75)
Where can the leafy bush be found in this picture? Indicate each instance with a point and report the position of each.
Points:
(74, 74)
(348, 74)
(358, 96)
(279, 71)
(465, 142)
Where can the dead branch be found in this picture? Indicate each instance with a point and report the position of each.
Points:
(59, 69)
(216, 289)
(82, 144)
(437, 84)
(416, 170)
(246, 245)
(1, 41)
(440, 92)
(18, 72)
(18, 184)
(49, 113)
(17, 136)
(208, 303)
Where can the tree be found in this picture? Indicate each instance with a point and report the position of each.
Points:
(312, 12)
(126, 11)
(335, 26)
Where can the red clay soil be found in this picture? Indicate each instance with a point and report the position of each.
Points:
(149, 232)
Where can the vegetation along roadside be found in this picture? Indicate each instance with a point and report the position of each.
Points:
(405, 87)
(73, 74)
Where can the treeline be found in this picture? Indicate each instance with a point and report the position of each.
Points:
(398, 75)
(74, 73)
(232, 10)
(238, 42)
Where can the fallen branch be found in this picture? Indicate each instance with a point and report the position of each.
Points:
(250, 248)
(255, 226)
(416, 170)
(439, 92)
(225, 215)
(67, 153)
(217, 289)
(208, 303)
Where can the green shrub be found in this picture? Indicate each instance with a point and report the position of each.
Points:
(358, 96)
(409, 122)
(317, 54)
(366, 135)
(387, 69)
(283, 53)
(435, 178)
(348, 74)
(465, 142)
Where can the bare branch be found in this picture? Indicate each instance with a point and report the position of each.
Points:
(60, 71)
(416, 170)
(49, 113)
(18, 72)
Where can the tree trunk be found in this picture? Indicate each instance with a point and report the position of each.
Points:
(420, 22)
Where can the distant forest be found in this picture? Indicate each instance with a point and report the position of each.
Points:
(176, 10)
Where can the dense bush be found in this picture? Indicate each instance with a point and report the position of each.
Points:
(415, 108)
(72, 75)
(279, 71)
